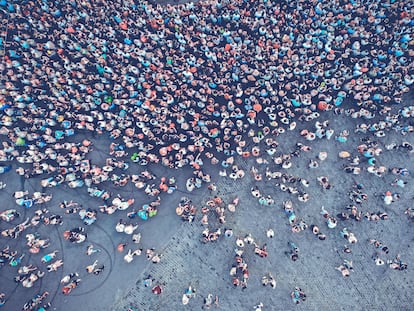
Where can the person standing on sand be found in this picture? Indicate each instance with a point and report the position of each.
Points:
(294, 251)
(298, 295)
(73, 283)
(345, 268)
(208, 301)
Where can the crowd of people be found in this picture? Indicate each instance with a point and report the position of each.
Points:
(169, 83)
(182, 85)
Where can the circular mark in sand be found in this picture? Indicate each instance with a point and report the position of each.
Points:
(109, 237)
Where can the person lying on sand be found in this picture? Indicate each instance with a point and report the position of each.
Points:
(345, 268)
(268, 279)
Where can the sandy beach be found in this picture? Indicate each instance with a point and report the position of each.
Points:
(254, 155)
